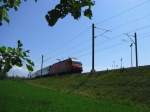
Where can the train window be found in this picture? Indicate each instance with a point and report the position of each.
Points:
(75, 62)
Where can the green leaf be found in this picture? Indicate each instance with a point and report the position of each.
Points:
(88, 13)
(24, 54)
(9, 49)
(6, 19)
(14, 56)
(2, 49)
(19, 44)
(65, 7)
(19, 64)
(30, 62)
(16, 8)
(7, 67)
(27, 51)
(17, 61)
(29, 67)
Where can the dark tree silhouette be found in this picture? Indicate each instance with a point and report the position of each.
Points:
(74, 7)
(10, 57)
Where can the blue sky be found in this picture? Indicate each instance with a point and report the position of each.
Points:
(72, 38)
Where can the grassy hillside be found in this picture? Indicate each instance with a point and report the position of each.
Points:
(17, 96)
(109, 91)
(128, 86)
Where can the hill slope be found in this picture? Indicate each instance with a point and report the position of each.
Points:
(130, 85)
(17, 96)
(109, 91)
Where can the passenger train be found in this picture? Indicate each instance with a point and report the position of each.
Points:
(69, 65)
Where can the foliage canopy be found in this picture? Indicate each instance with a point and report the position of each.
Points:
(10, 57)
(63, 8)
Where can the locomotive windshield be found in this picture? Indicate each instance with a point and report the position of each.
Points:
(76, 66)
(77, 63)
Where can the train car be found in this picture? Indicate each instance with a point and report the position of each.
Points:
(45, 72)
(69, 65)
(35, 74)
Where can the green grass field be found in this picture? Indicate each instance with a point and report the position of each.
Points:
(111, 91)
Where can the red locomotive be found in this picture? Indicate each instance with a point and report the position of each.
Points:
(69, 65)
(66, 66)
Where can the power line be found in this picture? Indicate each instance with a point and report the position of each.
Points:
(113, 38)
(131, 41)
(141, 28)
(123, 12)
(131, 31)
(85, 54)
(81, 50)
(80, 42)
(145, 34)
(119, 14)
(72, 49)
(103, 29)
(110, 47)
(82, 54)
(132, 21)
(67, 43)
(116, 37)
(102, 49)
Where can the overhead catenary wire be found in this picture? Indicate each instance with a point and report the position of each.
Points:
(119, 14)
(145, 33)
(123, 12)
(117, 36)
(140, 28)
(133, 21)
(100, 50)
(67, 42)
(87, 53)
(125, 24)
(68, 49)
(121, 34)
(145, 37)
(81, 43)
(108, 36)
